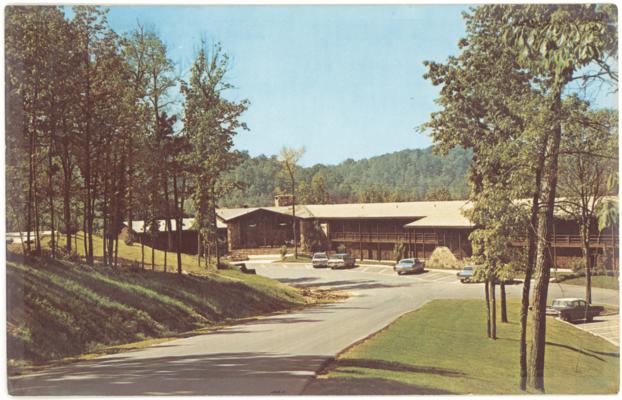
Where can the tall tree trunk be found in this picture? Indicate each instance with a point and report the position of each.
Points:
(504, 310)
(493, 307)
(130, 182)
(84, 241)
(178, 224)
(66, 163)
(543, 258)
(531, 260)
(199, 249)
(215, 228)
(37, 226)
(153, 252)
(142, 248)
(487, 294)
(294, 215)
(32, 175)
(587, 256)
(51, 195)
(169, 224)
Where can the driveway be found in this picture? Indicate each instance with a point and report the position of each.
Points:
(272, 355)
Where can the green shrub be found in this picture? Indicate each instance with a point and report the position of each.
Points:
(442, 257)
(341, 248)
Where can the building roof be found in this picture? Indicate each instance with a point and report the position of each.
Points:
(441, 221)
(413, 209)
(187, 223)
(439, 214)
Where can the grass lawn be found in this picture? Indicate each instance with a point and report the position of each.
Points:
(58, 309)
(442, 349)
(598, 281)
(302, 258)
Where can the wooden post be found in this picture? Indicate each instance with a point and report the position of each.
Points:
(554, 247)
(415, 235)
(460, 244)
(410, 253)
(360, 242)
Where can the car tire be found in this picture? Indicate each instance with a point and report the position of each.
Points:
(565, 317)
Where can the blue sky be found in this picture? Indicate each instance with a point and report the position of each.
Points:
(343, 81)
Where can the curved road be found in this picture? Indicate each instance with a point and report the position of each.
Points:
(272, 355)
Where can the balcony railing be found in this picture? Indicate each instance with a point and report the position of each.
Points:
(380, 237)
(561, 240)
(433, 238)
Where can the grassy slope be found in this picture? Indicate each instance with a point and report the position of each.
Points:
(60, 309)
(598, 281)
(442, 348)
(132, 253)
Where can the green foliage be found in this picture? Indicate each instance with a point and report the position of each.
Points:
(341, 248)
(443, 258)
(608, 215)
(210, 123)
(406, 175)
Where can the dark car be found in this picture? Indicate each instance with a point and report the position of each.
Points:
(408, 265)
(573, 309)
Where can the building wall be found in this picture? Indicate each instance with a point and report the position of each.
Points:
(189, 241)
(261, 229)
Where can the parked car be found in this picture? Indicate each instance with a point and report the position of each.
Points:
(571, 309)
(240, 266)
(341, 260)
(409, 265)
(319, 260)
(466, 275)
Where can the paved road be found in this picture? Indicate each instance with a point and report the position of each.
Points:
(273, 355)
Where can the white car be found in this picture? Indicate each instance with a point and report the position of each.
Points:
(341, 260)
(319, 260)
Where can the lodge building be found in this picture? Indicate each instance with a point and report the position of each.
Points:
(368, 231)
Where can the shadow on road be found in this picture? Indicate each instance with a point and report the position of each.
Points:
(343, 284)
(173, 375)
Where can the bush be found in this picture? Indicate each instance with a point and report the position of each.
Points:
(341, 248)
(577, 265)
(442, 257)
(283, 252)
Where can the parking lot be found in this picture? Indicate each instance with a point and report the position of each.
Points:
(606, 326)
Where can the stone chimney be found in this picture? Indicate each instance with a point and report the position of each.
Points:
(283, 200)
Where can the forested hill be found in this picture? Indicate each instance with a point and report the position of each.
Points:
(406, 175)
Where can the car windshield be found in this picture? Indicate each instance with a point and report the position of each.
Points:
(319, 255)
(407, 261)
(468, 268)
(562, 303)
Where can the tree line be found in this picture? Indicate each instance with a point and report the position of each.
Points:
(516, 96)
(406, 175)
(92, 138)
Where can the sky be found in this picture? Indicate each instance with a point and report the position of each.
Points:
(342, 81)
